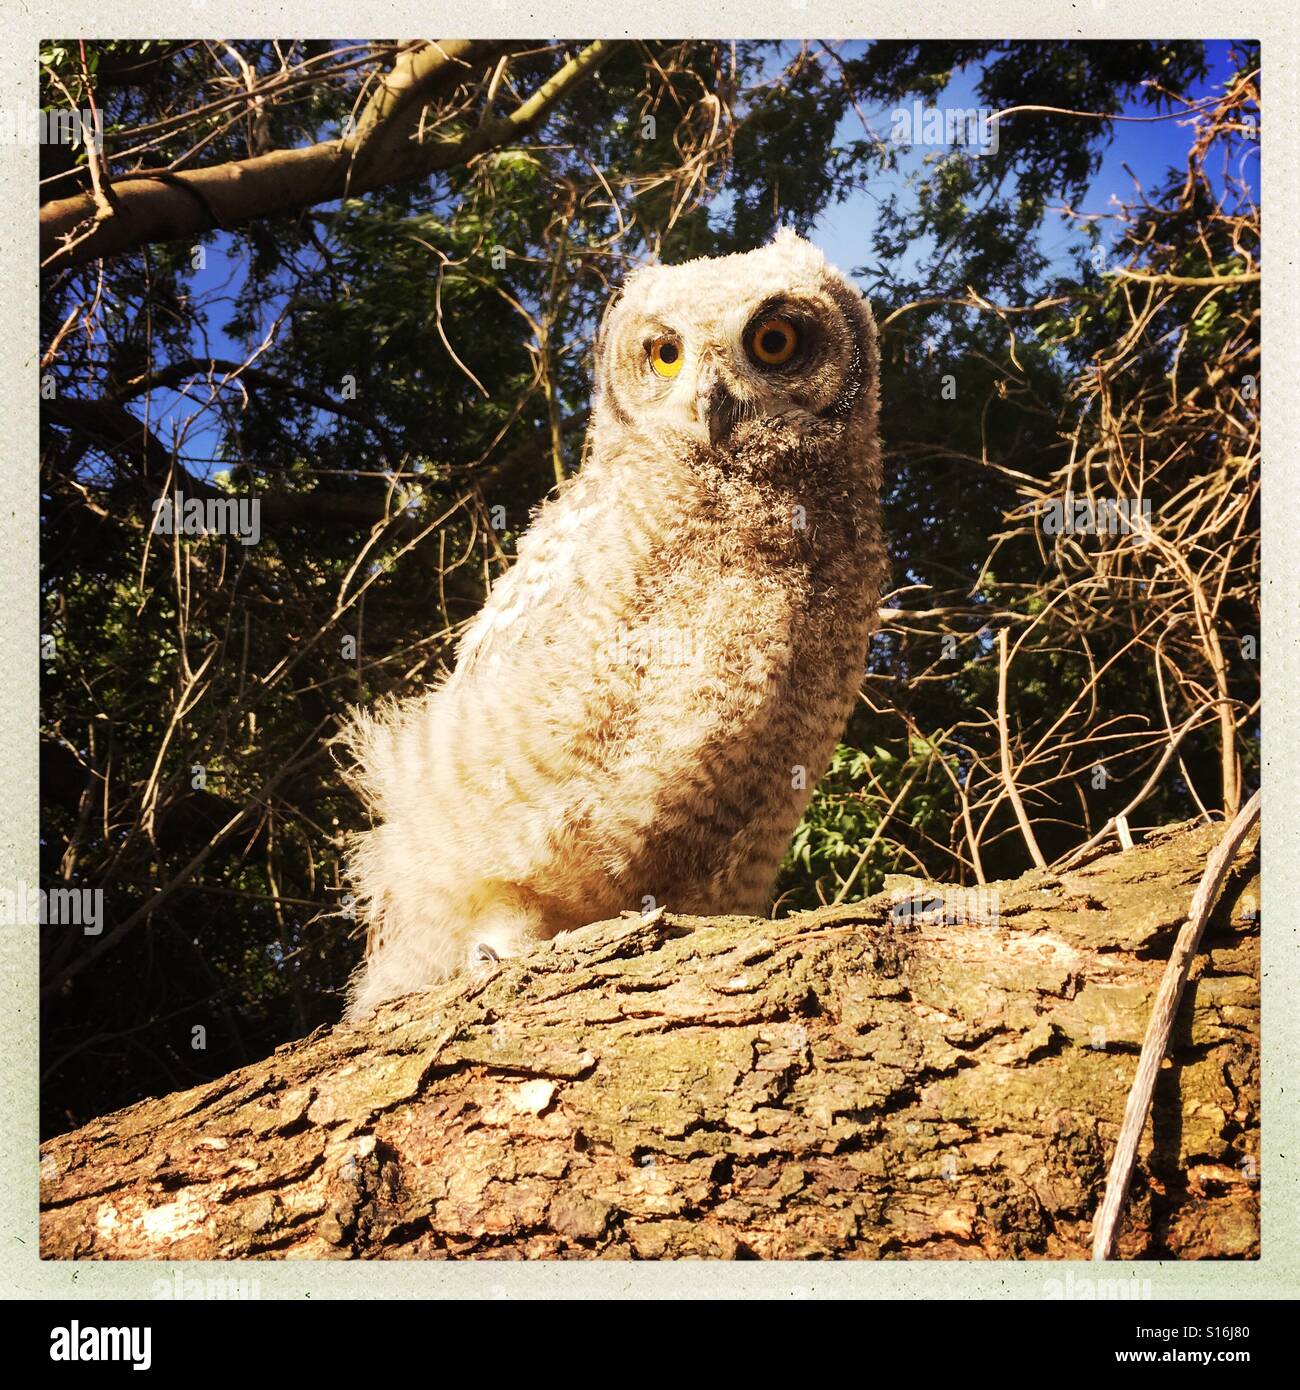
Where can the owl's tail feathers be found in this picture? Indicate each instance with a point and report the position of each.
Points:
(381, 750)
(422, 931)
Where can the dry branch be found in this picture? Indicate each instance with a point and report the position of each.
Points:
(384, 149)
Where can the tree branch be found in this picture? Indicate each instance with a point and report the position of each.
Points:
(885, 1079)
(162, 206)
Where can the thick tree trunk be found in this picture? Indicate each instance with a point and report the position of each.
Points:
(939, 1075)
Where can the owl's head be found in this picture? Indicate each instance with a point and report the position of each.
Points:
(715, 348)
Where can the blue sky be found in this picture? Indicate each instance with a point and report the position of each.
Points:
(1148, 148)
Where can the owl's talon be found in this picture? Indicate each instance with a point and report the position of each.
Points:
(484, 952)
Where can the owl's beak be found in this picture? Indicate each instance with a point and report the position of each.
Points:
(715, 408)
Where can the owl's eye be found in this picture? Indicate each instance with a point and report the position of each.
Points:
(772, 343)
(666, 356)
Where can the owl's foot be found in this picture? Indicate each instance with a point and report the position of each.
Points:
(493, 946)
(502, 928)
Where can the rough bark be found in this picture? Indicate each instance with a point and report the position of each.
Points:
(890, 1079)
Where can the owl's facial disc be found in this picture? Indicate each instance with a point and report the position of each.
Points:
(770, 343)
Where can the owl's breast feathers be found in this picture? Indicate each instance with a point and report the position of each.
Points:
(668, 628)
(632, 543)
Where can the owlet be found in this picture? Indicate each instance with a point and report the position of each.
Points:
(640, 712)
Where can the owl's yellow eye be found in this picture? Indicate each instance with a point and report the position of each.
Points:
(772, 342)
(666, 356)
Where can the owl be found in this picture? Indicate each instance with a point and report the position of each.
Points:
(639, 714)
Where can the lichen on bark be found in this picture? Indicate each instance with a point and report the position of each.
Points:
(860, 1081)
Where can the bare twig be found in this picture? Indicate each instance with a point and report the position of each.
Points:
(1156, 1041)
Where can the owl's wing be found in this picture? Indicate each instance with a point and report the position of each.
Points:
(517, 599)
(533, 589)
